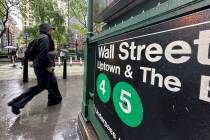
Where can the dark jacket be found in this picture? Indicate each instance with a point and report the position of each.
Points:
(44, 45)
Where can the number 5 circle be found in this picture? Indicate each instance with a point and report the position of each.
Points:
(103, 88)
(127, 104)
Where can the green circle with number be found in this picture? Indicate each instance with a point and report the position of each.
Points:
(103, 88)
(127, 104)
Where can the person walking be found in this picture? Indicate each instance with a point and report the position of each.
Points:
(43, 64)
(62, 56)
(20, 55)
(13, 57)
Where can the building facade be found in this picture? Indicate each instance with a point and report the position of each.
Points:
(11, 34)
(28, 20)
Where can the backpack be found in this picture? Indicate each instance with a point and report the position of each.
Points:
(31, 52)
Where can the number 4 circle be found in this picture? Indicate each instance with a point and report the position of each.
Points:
(103, 88)
(127, 104)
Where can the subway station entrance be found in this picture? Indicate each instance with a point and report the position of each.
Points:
(147, 73)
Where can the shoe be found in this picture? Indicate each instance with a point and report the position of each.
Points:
(15, 110)
(10, 103)
(55, 102)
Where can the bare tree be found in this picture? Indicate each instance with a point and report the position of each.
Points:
(6, 7)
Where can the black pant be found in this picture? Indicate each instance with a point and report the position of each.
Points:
(46, 80)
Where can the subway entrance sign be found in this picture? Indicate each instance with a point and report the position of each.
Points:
(154, 82)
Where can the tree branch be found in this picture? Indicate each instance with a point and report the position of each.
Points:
(4, 24)
(80, 18)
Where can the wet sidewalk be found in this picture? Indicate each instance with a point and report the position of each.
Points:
(37, 121)
(7, 71)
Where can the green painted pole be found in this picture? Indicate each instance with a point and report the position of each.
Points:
(90, 18)
(87, 61)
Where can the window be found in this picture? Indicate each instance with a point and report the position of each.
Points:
(106, 9)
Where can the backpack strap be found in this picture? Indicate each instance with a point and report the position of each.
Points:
(38, 38)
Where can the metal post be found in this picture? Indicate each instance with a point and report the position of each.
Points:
(26, 41)
(25, 70)
(25, 66)
(76, 46)
(68, 16)
(90, 18)
(64, 69)
(69, 22)
(8, 39)
(8, 36)
(2, 43)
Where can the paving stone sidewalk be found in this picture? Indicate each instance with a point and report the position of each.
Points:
(7, 71)
(37, 121)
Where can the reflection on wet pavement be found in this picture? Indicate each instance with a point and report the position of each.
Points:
(8, 72)
(37, 121)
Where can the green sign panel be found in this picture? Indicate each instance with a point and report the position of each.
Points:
(154, 83)
(103, 88)
(127, 104)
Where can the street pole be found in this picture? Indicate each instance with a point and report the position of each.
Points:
(2, 43)
(8, 39)
(64, 68)
(76, 46)
(90, 18)
(8, 36)
(26, 41)
(69, 21)
(68, 14)
(25, 65)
